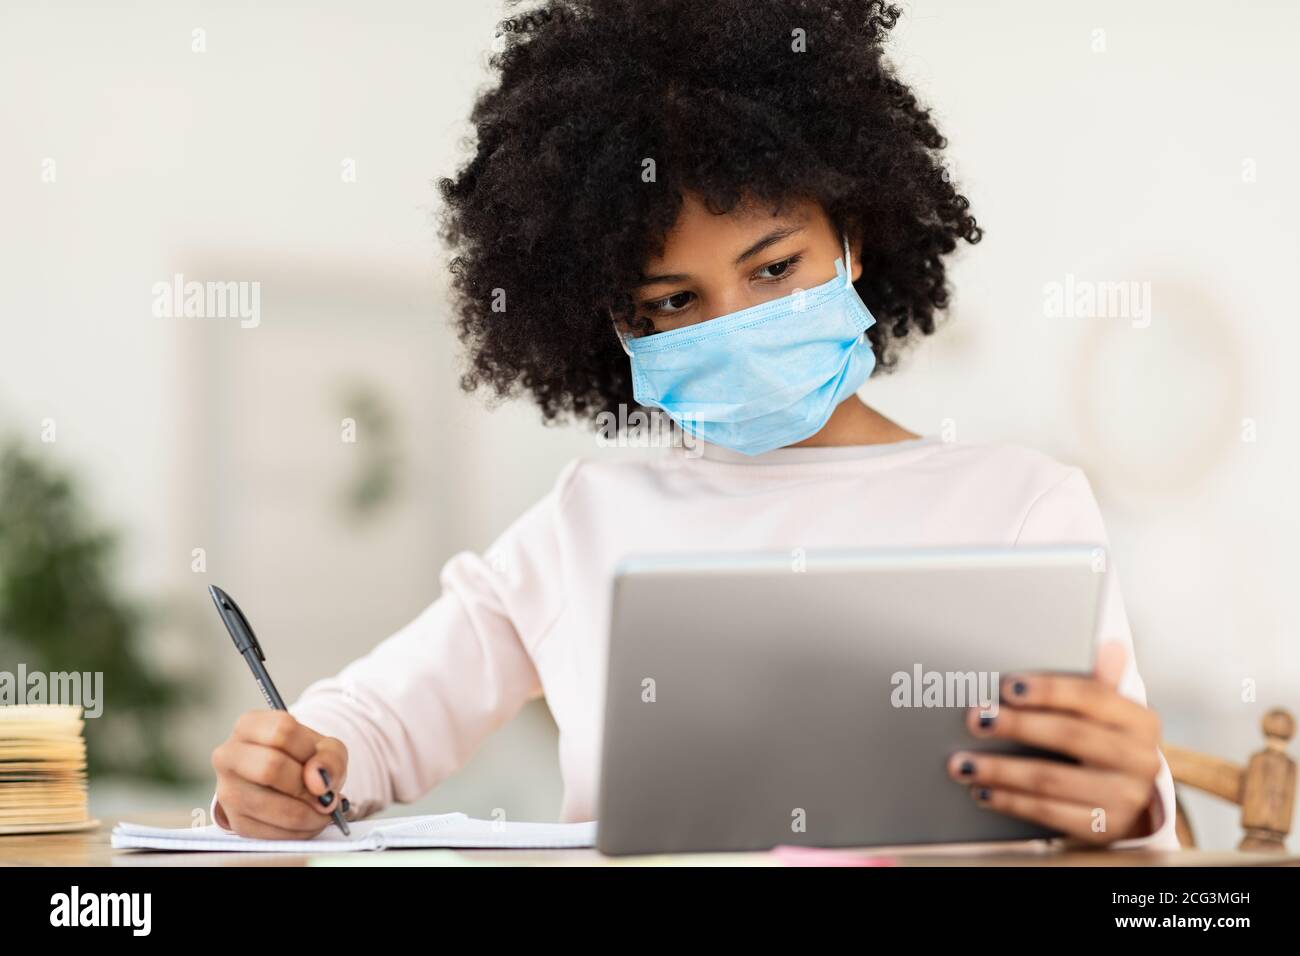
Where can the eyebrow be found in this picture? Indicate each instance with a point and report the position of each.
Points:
(773, 237)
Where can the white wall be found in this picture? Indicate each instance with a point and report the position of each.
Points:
(1131, 163)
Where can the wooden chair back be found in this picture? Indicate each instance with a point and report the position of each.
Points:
(1264, 788)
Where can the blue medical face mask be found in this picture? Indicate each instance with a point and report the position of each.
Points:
(764, 377)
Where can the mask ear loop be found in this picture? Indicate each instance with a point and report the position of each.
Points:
(619, 335)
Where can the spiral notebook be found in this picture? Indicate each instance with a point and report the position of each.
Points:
(436, 830)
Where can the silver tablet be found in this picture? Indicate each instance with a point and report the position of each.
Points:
(814, 698)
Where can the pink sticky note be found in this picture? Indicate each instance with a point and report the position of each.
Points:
(791, 855)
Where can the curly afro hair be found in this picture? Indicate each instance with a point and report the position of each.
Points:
(552, 218)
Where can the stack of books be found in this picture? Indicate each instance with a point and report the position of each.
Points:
(42, 769)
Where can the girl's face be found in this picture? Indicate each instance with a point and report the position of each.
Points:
(712, 265)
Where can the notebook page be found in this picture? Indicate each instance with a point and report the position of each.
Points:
(212, 837)
(427, 830)
(466, 832)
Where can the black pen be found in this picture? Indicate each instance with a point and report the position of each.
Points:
(241, 632)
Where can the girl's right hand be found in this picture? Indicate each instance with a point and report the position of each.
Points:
(268, 777)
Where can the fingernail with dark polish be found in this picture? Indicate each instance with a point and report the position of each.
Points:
(982, 794)
(1019, 688)
(986, 720)
(325, 778)
(346, 806)
(967, 768)
(326, 798)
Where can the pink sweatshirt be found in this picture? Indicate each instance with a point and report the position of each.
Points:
(529, 616)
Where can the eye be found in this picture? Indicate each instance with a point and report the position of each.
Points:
(778, 270)
(670, 305)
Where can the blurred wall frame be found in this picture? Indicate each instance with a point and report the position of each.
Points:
(314, 467)
(272, 453)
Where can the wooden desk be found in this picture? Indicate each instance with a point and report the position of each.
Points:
(92, 849)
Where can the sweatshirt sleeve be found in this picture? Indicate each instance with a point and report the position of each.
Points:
(1068, 513)
(414, 709)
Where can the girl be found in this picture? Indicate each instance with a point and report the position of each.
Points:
(732, 213)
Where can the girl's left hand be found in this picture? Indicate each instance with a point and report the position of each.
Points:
(1110, 794)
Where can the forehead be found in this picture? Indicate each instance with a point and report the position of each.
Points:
(699, 228)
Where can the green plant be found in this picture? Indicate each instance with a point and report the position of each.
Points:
(61, 611)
